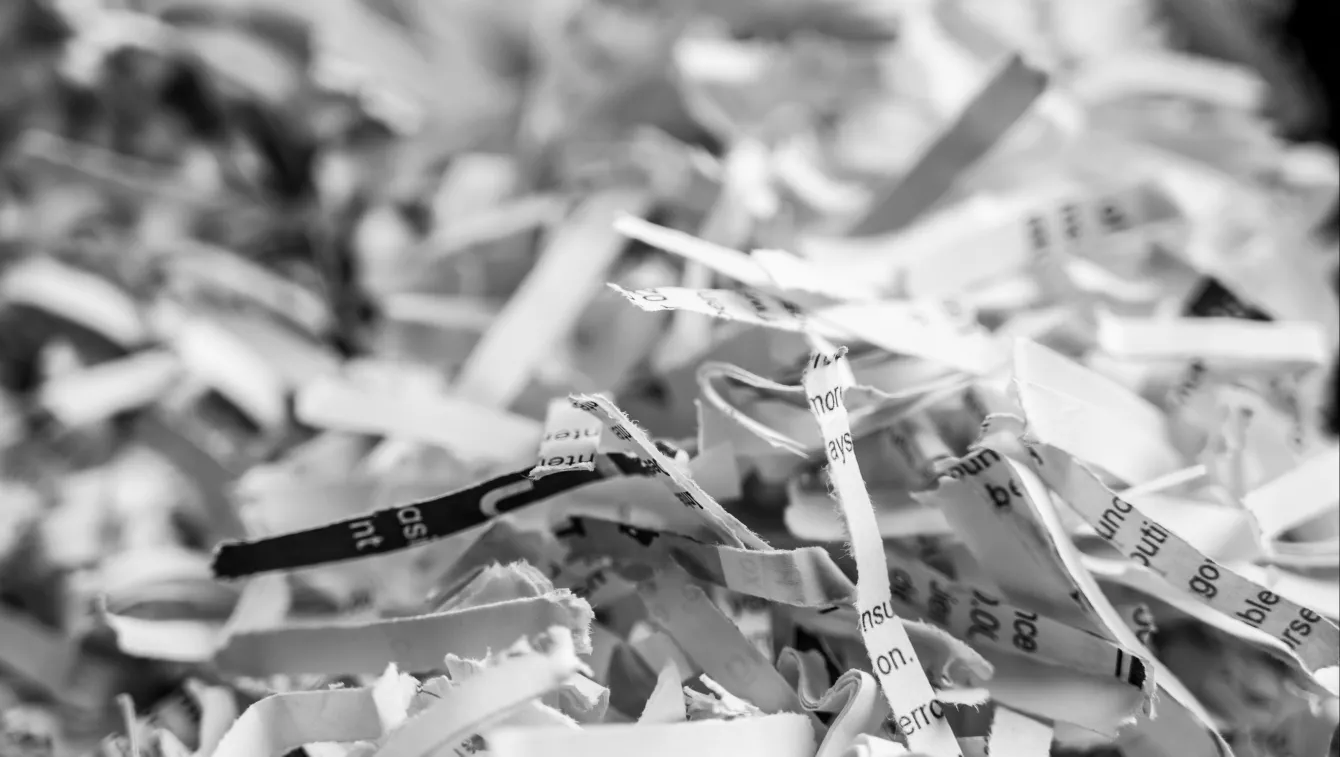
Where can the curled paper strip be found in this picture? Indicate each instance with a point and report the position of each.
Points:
(405, 526)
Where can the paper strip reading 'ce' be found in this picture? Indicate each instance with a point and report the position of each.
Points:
(827, 377)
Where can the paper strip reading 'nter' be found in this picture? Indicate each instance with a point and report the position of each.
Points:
(920, 718)
(1309, 637)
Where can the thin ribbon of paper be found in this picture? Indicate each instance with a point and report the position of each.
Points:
(905, 685)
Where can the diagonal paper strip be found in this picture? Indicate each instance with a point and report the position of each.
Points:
(923, 329)
(713, 642)
(669, 472)
(827, 377)
(413, 643)
(1000, 104)
(1310, 638)
(550, 300)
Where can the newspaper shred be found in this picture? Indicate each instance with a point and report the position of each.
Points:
(827, 378)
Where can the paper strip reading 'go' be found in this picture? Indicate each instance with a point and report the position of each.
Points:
(1310, 638)
(915, 710)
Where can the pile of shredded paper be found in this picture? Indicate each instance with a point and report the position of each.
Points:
(548, 378)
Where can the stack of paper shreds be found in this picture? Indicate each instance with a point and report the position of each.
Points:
(1004, 439)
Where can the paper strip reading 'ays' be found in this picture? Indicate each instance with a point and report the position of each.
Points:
(406, 526)
(1314, 640)
(669, 472)
(1006, 97)
(571, 440)
(827, 378)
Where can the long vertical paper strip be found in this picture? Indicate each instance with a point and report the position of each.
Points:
(1001, 103)
(827, 377)
(547, 304)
